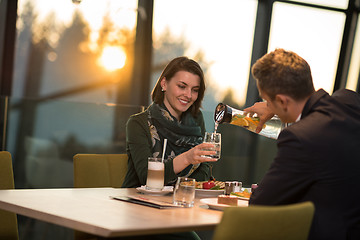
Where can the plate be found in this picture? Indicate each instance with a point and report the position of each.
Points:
(212, 203)
(208, 193)
(242, 198)
(164, 191)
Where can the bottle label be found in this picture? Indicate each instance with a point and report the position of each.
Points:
(219, 116)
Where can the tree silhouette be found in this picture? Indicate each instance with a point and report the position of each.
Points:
(229, 99)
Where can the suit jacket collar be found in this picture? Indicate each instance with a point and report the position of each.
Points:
(312, 101)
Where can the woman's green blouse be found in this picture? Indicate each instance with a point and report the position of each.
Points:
(138, 148)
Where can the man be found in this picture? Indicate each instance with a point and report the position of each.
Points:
(318, 156)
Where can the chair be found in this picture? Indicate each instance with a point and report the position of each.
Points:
(266, 222)
(8, 220)
(98, 170)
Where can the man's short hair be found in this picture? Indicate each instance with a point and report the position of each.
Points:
(283, 72)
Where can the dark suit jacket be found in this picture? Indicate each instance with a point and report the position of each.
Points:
(318, 160)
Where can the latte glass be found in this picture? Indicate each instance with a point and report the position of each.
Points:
(155, 176)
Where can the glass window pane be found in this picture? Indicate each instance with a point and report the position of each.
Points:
(219, 36)
(67, 51)
(329, 3)
(74, 50)
(313, 34)
(354, 71)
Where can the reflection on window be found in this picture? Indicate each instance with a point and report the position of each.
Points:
(74, 51)
(313, 34)
(328, 3)
(218, 35)
(353, 77)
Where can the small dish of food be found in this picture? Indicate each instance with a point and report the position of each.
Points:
(209, 188)
(243, 195)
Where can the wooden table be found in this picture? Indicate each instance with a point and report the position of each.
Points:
(92, 210)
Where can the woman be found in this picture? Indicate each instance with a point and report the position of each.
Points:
(175, 115)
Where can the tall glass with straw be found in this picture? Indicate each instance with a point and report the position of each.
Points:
(155, 177)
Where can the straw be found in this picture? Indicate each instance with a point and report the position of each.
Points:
(164, 148)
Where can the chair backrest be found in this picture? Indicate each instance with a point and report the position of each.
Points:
(266, 222)
(8, 221)
(99, 170)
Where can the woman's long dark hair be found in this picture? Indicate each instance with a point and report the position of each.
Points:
(174, 66)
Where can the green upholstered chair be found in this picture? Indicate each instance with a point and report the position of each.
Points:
(266, 222)
(8, 220)
(98, 170)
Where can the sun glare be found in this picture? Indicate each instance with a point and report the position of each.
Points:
(112, 58)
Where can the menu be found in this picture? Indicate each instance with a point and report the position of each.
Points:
(145, 201)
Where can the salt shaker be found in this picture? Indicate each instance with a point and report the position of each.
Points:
(237, 186)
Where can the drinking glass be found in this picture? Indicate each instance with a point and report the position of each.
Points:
(184, 192)
(155, 176)
(215, 139)
(253, 187)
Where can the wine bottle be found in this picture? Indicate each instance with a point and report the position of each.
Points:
(227, 114)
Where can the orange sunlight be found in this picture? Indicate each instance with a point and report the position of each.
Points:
(112, 58)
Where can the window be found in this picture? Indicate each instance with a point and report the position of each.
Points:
(312, 33)
(329, 3)
(217, 34)
(354, 71)
(76, 51)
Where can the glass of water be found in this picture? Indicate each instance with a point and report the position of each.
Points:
(215, 139)
(184, 192)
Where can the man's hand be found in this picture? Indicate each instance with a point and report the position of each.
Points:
(262, 111)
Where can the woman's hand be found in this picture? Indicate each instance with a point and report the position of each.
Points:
(262, 111)
(194, 156)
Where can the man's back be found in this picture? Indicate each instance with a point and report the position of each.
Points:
(319, 160)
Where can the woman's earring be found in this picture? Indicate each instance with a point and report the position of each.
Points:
(162, 90)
